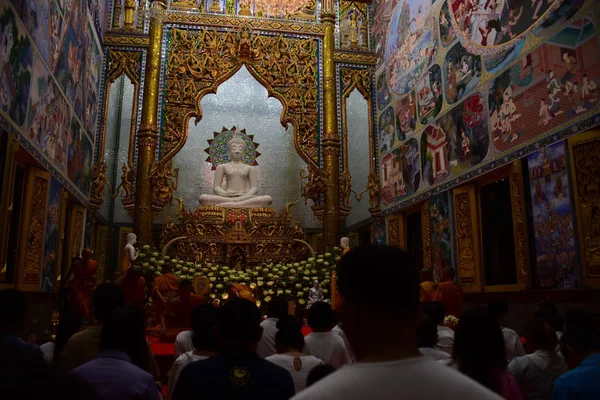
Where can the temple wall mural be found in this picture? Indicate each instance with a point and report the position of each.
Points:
(49, 80)
(465, 86)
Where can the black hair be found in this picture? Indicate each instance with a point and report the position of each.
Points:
(497, 308)
(289, 333)
(238, 323)
(13, 308)
(204, 321)
(317, 373)
(427, 334)
(541, 335)
(125, 331)
(106, 299)
(436, 311)
(479, 348)
(581, 332)
(320, 316)
(277, 307)
(68, 325)
(548, 312)
(381, 278)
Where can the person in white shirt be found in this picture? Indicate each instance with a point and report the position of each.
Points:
(204, 321)
(290, 343)
(184, 343)
(536, 372)
(338, 331)
(277, 308)
(379, 291)
(512, 342)
(445, 335)
(427, 336)
(322, 343)
(69, 324)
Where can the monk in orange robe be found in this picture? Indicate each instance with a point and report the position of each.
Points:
(427, 286)
(187, 301)
(81, 281)
(165, 293)
(449, 293)
(134, 287)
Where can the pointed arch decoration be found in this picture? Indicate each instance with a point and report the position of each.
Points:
(198, 61)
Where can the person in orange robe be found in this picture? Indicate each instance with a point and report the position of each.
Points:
(134, 286)
(427, 286)
(165, 294)
(187, 301)
(449, 293)
(82, 282)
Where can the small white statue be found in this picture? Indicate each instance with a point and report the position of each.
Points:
(130, 254)
(345, 245)
(315, 294)
(241, 186)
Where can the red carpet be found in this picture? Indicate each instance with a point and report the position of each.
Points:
(161, 349)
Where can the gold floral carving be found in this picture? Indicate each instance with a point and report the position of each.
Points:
(586, 160)
(32, 259)
(199, 61)
(212, 233)
(77, 236)
(354, 57)
(426, 235)
(374, 190)
(126, 40)
(100, 252)
(314, 184)
(465, 240)
(164, 181)
(356, 78)
(99, 181)
(394, 234)
(124, 61)
(519, 224)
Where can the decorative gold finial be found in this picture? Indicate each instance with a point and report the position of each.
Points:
(215, 7)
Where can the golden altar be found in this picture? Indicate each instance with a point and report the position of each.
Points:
(237, 237)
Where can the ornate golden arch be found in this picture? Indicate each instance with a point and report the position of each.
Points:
(198, 61)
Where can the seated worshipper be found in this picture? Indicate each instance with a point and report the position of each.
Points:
(479, 353)
(165, 293)
(188, 300)
(83, 346)
(204, 320)
(237, 372)
(23, 372)
(119, 370)
(317, 373)
(428, 337)
(445, 335)
(81, 282)
(322, 343)
(536, 372)
(449, 293)
(379, 286)
(133, 284)
(69, 324)
(581, 347)
(427, 286)
(290, 344)
(277, 308)
(512, 342)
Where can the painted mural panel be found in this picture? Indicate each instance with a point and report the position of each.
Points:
(442, 241)
(529, 68)
(57, 32)
(93, 66)
(550, 86)
(34, 15)
(384, 97)
(69, 69)
(80, 155)
(16, 58)
(48, 116)
(98, 10)
(556, 259)
(411, 44)
(387, 130)
(49, 260)
(401, 172)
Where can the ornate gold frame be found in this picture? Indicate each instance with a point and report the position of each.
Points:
(468, 243)
(584, 151)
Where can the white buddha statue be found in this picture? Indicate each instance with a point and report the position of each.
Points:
(241, 186)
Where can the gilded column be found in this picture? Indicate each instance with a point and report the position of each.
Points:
(147, 136)
(331, 138)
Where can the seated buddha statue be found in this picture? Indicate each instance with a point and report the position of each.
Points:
(241, 184)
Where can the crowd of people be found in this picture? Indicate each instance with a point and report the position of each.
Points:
(390, 338)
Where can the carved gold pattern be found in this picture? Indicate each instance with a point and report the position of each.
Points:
(77, 226)
(111, 39)
(34, 237)
(395, 230)
(519, 225)
(199, 61)
(99, 181)
(187, 5)
(354, 57)
(374, 190)
(426, 235)
(314, 184)
(214, 233)
(346, 191)
(467, 238)
(164, 179)
(585, 152)
(100, 252)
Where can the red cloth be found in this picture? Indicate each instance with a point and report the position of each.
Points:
(134, 288)
(451, 295)
(306, 330)
(82, 286)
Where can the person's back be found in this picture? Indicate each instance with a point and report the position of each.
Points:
(449, 293)
(322, 343)
(277, 308)
(445, 335)
(498, 309)
(117, 373)
(427, 286)
(580, 346)
(238, 372)
(536, 372)
(381, 324)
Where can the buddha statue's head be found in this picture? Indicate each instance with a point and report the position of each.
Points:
(236, 146)
(131, 238)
